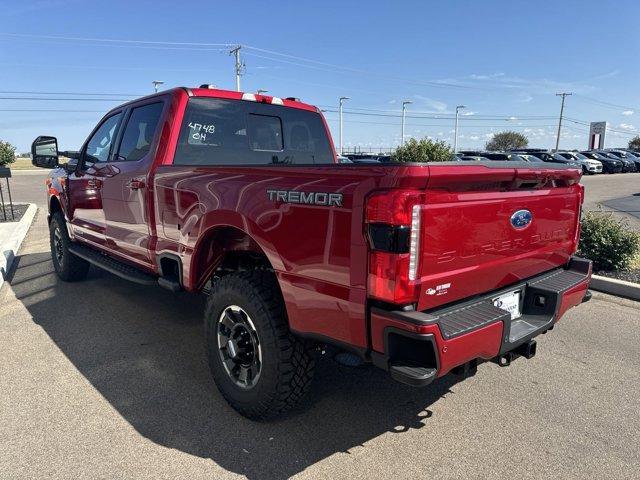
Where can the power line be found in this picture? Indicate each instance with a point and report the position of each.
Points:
(368, 73)
(56, 99)
(20, 110)
(606, 104)
(114, 40)
(22, 92)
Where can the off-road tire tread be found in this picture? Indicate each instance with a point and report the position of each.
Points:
(75, 268)
(296, 356)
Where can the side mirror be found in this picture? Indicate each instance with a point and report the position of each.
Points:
(44, 152)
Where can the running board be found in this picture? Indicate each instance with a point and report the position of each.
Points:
(111, 265)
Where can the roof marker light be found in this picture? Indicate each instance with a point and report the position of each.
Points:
(276, 101)
(249, 96)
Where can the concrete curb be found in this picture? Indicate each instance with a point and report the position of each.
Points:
(616, 287)
(11, 237)
(29, 171)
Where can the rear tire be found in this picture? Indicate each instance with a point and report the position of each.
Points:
(68, 266)
(260, 368)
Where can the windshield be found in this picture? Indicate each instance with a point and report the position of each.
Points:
(580, 156)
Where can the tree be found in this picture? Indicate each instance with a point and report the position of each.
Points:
(7, 153)
(424, 150)
(634, 143)
(507, 140)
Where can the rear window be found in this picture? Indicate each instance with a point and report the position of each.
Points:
(235, 132)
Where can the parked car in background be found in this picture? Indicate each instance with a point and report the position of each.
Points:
(473, 158)
(543, 155)
(627, 155)
(527, 157)
(609, 165)
(628, 165)
(496, 156)
(589, 165)
(368, 158)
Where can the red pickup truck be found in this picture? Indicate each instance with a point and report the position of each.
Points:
(419, 269)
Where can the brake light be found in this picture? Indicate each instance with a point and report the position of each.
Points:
(393, 231)
(414, 242)
(578, 232)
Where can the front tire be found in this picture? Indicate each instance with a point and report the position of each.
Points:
(68, 266)
(259, 367)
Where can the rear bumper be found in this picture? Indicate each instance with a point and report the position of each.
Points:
(434, 342)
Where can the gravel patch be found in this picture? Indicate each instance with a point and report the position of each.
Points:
(18, 211)
(632, 275)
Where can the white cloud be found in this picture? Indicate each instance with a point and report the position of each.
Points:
(524, 97)
(626, 126)
(474, 137)
(436, 105)
(486, 77)
(628, 112)
(468, 114)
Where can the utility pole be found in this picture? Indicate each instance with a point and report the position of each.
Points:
(239, 65)
(404, 108)
(563, 95)
(156, 84)
(455, 131)
(342, 99)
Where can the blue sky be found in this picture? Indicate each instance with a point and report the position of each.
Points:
(504, 60)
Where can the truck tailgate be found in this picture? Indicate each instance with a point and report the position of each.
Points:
(483, 228)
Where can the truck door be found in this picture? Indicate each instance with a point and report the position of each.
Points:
(86, 213)
(126, 191)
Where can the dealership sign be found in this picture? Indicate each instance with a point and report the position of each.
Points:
(596, 135)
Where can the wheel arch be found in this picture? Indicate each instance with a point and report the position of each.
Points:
(55, 205)
(227, 248)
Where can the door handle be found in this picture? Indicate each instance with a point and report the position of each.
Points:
(135, 184)
(94, 183)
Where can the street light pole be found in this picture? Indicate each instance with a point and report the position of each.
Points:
(261, 91)
(404, 108)
(455, 130)
(156, 84)
(342, 99)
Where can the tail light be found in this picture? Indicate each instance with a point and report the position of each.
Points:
(576, 239)
(393, 231)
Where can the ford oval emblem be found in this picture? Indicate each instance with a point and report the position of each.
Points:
(521, 219)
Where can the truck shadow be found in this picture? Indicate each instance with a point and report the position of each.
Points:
(142, 349)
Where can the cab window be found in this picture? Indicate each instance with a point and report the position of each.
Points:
(99, 145)
(236, 132)
(139, 132)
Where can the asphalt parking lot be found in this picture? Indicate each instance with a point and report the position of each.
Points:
(107, 379)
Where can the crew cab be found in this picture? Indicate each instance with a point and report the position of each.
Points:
(418, 268)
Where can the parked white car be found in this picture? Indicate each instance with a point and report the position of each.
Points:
(589, 165)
